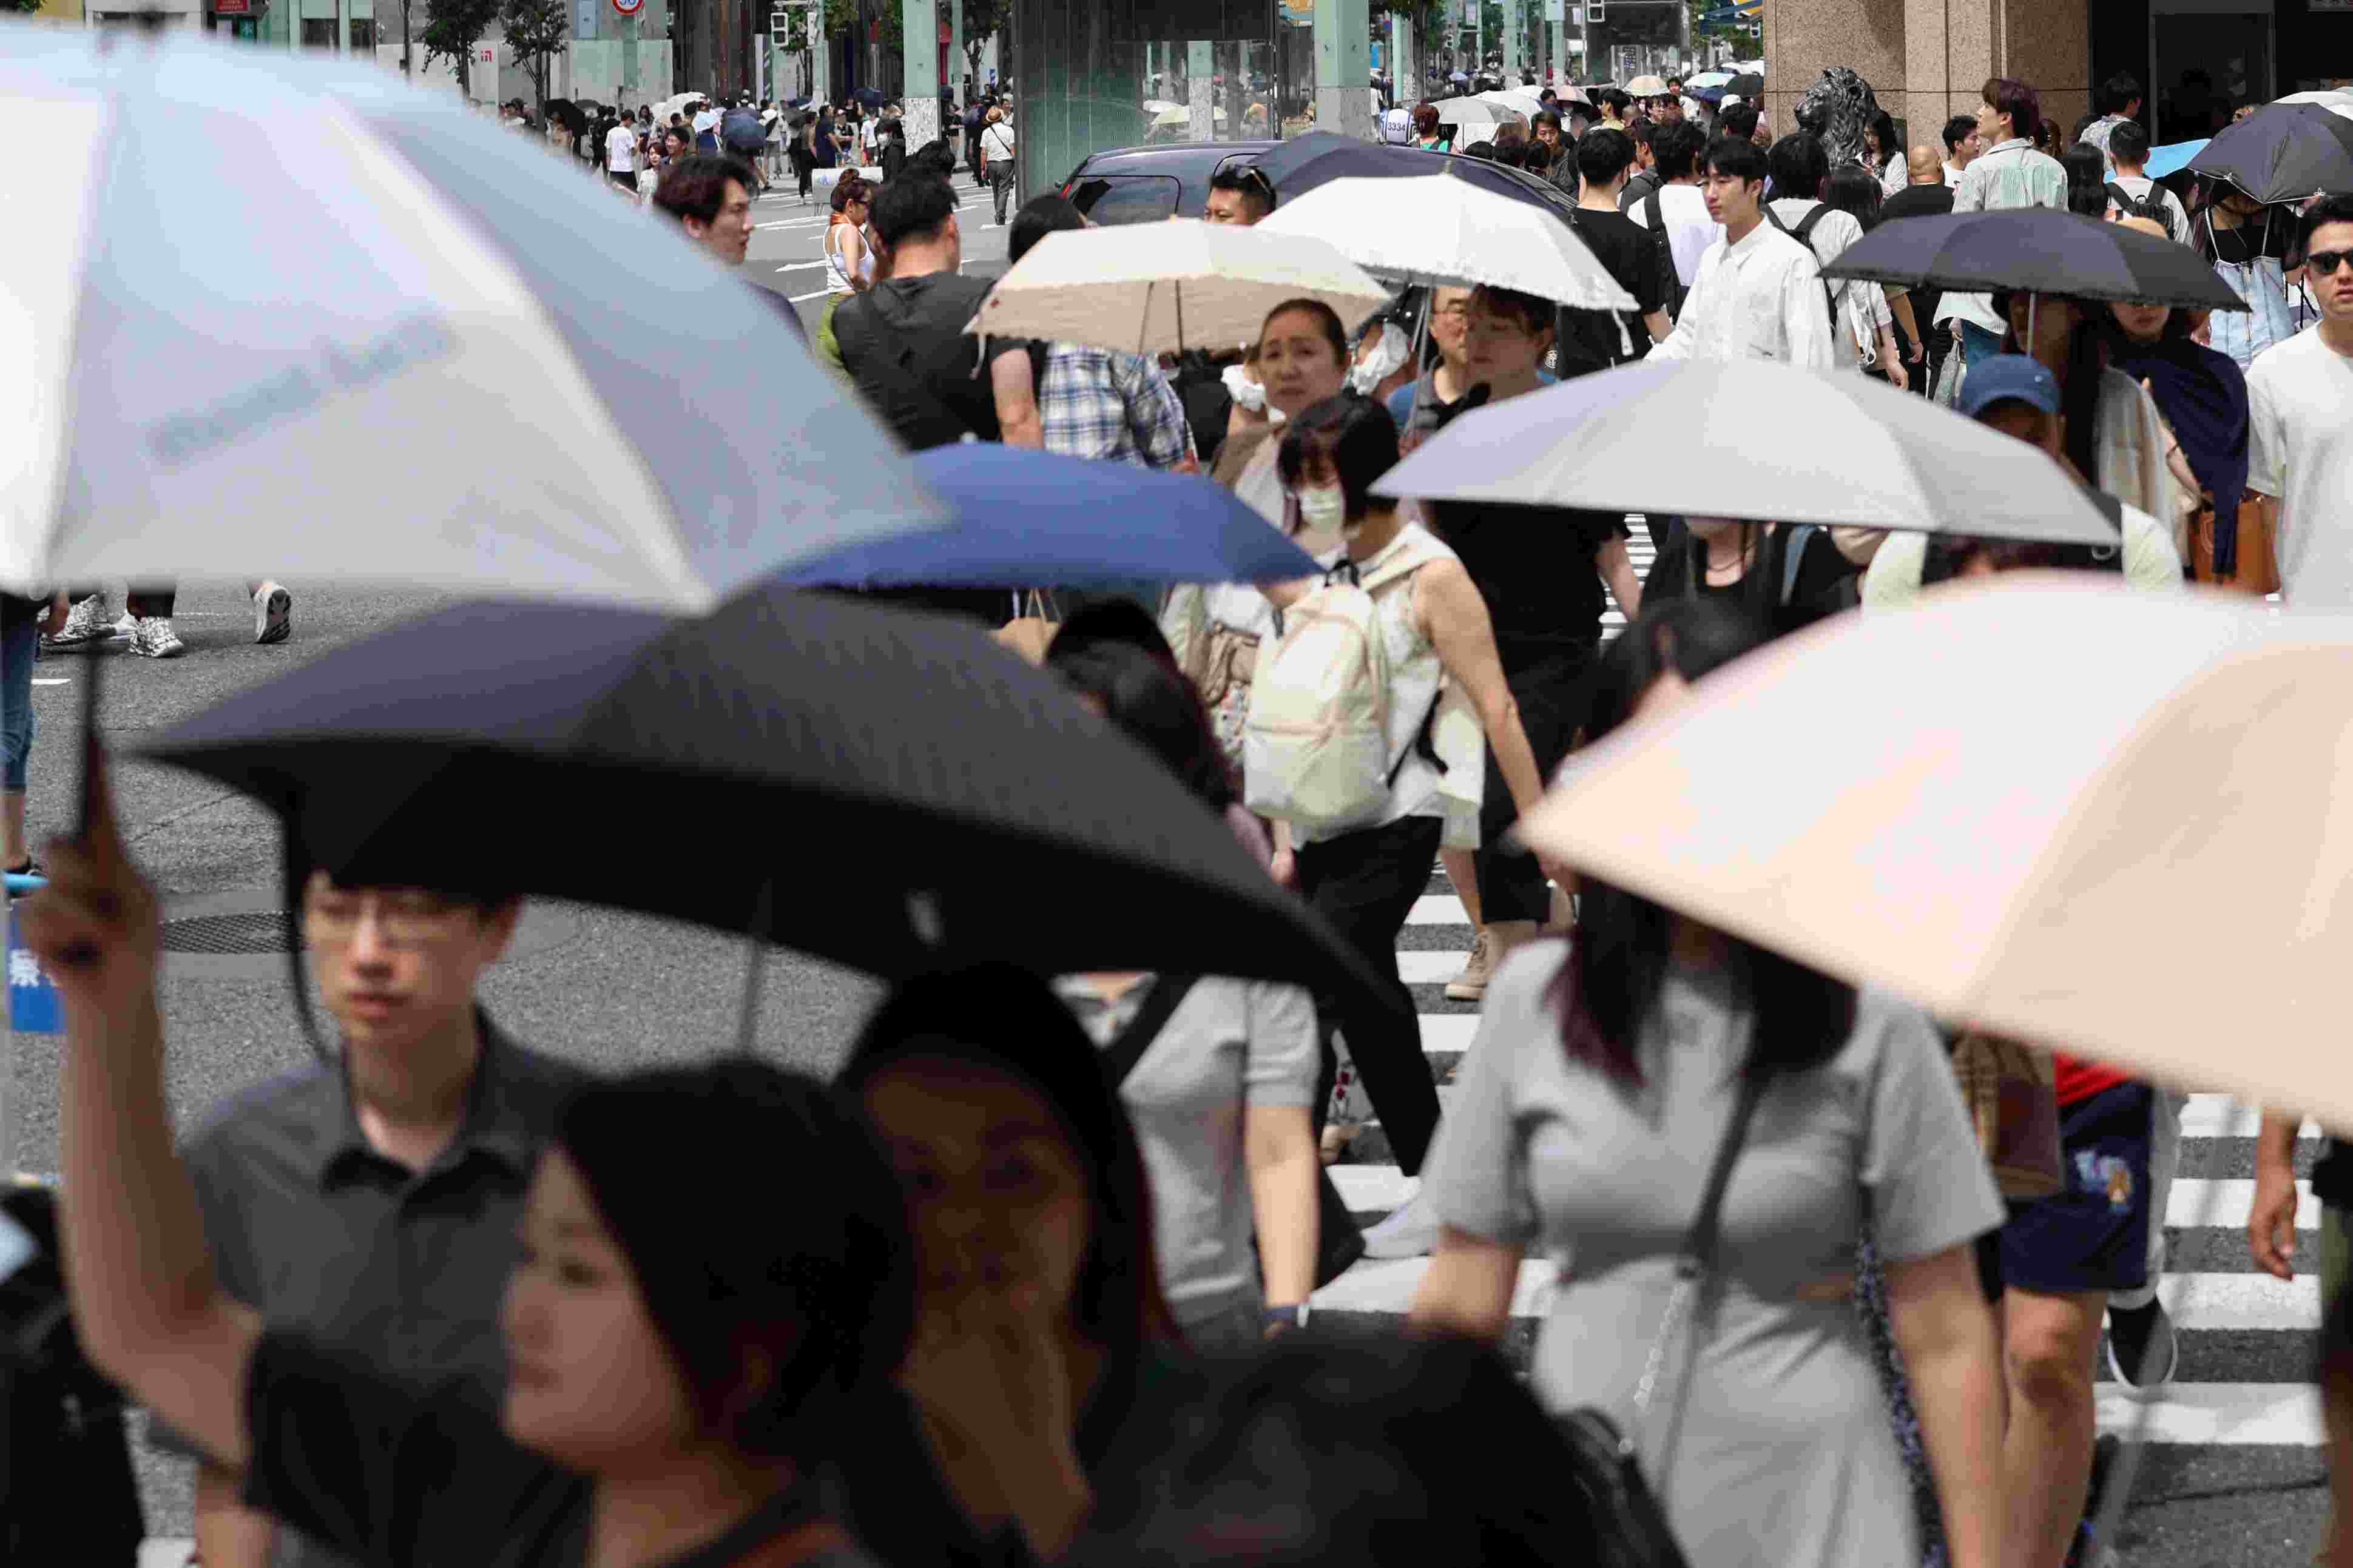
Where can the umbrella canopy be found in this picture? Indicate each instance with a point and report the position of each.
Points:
(2040, 251)
(1646, 87)
(2336, 100)
(1305, 163)
(1450, 231)
(2053, 770)
(1177, 114)
(1160, 105)
(2172, 156)
(2281, 152)
(1476, 112)
(1518, 99)
(675, 104)
(1619, 440)
(1710, 92)
(449, 390)
(1029, 518)
(1008, 817)
(1709, 79)
(1745, 86)
(1152, 287)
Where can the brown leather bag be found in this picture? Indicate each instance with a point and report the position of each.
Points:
(2257, 569)
(2012, 1096)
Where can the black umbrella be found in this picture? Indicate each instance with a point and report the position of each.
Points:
(1298, 166)
(569, 114)
(2281, 152)
(949, 801)
(2036, 249)
(1748, 87)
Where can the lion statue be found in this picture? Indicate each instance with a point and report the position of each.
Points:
(1836, 109)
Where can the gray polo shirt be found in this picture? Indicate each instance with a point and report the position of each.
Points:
(1231, 1043)
(314, 1229)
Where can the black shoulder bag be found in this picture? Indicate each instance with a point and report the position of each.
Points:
(1339, 1241)
(1676, 292)
(1631, 1529)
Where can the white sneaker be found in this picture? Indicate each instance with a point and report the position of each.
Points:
(154, 638)
(273, 618)
(86, 621)
(1410, 1232)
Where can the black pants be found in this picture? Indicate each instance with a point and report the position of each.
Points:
(1553, 693)
(1365, 883)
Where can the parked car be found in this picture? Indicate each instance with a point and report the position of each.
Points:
(1171, 179)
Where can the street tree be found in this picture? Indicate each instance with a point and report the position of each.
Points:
(452, 29)
(537, 31)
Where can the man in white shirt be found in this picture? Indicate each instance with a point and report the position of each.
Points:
(1679, 203)
(1758, 293)
(1861, 322)
(1962, 146)
(2300, 423)
(2128, 151)
(621, 156)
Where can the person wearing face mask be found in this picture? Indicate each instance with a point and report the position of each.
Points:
(1302, 358)
(1384, 361)
(1446, 687)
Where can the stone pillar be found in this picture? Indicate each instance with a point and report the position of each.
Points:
(1927, 59)
(956, 51)
(1200, 111)
(1344, 66)
(919, 34)
(1515, 27)
(1405, 60)
(821, 58)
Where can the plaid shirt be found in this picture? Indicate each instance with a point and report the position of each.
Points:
(1094, 404)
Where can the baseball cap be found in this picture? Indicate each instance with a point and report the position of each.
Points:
(2007, 378)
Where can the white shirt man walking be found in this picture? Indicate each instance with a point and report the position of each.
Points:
(2300, 423)
(1759, 294)
(621, 156)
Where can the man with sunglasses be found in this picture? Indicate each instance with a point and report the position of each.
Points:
(2300, 441)
(372, 1197)
(1238, 192)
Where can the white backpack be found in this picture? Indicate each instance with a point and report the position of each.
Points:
(1315, 747)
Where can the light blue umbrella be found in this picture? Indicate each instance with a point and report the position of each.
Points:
(272, 314)
(1029, 519)
(2173, 156)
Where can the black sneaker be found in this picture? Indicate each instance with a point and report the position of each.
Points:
(2143, 1350)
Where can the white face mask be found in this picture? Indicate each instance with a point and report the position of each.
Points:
(1325, 507)
(1387, 356)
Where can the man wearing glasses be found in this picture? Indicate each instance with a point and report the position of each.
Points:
(2300, 426)
(371, 1197)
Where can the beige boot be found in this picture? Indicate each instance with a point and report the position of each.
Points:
(1472, 983)
(1505, 938)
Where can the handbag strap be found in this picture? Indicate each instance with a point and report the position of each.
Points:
(1152, 1015)
(1699, 1243)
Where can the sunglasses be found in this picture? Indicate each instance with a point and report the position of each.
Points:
(2322, 263)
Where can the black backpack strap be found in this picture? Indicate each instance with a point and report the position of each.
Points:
(1804, 235)
(1674, 279)
(1119, 1058)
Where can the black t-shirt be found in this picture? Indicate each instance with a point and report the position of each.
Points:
(1589, 339)
(905, 348)
(1821, 589)
(1919, 200)
(1535, 566)
(393, 1473)
(2268, 233)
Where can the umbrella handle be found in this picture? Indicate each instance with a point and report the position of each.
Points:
(755, 962)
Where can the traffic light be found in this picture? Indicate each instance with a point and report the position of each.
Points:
(1593, 10)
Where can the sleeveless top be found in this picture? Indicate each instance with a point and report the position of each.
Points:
(837, 279)
(1415, 675)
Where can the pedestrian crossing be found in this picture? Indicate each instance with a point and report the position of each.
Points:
(2245, 1337)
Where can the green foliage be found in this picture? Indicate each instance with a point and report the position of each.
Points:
(25, 5)
(536, 30)
(452, 28)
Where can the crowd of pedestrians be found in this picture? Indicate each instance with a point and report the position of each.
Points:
(441, 1298)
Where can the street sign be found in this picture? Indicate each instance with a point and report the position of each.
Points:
(628, 7)
(34, 1005)
(232, 7)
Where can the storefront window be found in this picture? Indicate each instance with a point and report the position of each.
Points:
(318, 32)
(363, 35)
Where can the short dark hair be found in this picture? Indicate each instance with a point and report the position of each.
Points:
(696, 185)
(1640, 132)
(1734, 155)
(1798, 164)
(2128, 143)
(1739, 120)
(1325, 317)
(1677, 148)
(1531, 311)
(1603, 153)
(2329, 209)
(1039, 216)
(1354, 433)
(1545, 117)
(2019, 102)
(913, 206)
(2116, 93)
(1480, 150)
(1248, 180)
(825, 1303)
(1958, 130)
(1613, 99)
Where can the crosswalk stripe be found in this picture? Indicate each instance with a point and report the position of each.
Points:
(2276, 1415)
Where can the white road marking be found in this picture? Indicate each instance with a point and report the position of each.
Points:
(59, 680)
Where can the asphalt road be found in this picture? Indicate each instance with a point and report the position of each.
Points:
(609, 990)
(788, 250)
